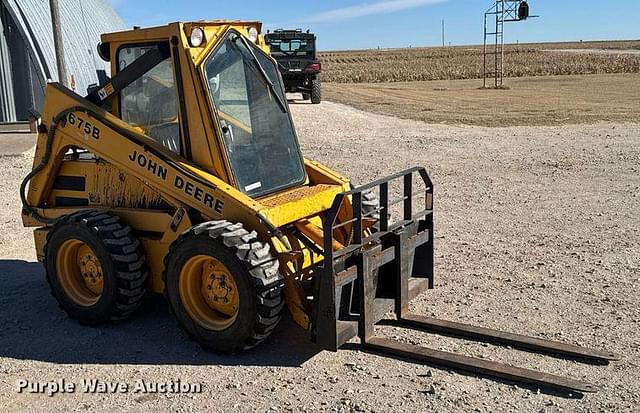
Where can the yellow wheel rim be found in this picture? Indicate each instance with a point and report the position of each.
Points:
(209, 292)
(79, 272)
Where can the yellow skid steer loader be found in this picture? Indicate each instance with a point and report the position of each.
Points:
(183, 175)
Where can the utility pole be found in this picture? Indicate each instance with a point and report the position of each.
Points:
(57, 42)
(442, 32)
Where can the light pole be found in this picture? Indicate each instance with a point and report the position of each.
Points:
(57, 42)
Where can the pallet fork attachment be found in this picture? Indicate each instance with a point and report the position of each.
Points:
(382, 271)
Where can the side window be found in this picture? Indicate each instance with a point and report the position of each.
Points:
(151, 102)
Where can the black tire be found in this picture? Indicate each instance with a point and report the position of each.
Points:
(316, 92)
(120, 256)
(255, 272)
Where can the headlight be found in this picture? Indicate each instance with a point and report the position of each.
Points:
(197, 37)
(253, 34)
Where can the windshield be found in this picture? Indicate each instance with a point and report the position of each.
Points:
(258, 133)
(292, 47)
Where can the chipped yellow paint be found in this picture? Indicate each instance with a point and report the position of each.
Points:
(105, 186)
(117, 189)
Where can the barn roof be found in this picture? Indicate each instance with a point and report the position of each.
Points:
(82, 23)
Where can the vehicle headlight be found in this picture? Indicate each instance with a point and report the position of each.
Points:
(253, 34)
(197, 37)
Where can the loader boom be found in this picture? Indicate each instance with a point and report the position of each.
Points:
(79, 123)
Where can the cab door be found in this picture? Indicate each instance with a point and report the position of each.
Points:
(150, 103)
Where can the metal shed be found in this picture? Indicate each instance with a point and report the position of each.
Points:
(27, 56)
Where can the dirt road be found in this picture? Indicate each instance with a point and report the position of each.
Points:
(529, 101)
(537, 232)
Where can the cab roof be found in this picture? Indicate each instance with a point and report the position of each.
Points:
(171, 29)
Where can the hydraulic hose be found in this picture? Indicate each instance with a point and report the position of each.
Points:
(26, 208)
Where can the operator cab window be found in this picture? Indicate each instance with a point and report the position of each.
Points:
(151, 102)
(250, 102)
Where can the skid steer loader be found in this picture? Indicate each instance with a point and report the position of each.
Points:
(183, 175)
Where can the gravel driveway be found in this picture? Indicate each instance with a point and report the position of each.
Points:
(538, 232)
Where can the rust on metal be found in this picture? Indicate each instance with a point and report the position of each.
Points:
(502, 337)
(479, 366)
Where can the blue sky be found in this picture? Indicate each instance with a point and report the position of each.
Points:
(357, 24)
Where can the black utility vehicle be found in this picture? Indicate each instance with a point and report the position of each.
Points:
(295, 52)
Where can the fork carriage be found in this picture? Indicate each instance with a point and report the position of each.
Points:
(383, 270)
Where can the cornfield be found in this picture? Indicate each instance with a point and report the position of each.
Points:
(414, 64)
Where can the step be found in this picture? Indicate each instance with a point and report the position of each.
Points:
(15, 127)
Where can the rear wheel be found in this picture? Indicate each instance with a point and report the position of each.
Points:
(95, 267)
(223, 286)
(316, 95)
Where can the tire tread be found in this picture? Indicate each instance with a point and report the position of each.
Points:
(126, 254)
(261, 265)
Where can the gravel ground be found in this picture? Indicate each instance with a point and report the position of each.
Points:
(537, 232)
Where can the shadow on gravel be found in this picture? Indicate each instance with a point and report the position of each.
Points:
(35, 328)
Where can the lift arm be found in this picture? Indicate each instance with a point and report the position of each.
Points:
(76, 122)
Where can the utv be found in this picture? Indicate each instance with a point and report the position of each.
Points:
(295, 52)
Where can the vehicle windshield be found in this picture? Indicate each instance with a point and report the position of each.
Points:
(251, 104)
(290, 47)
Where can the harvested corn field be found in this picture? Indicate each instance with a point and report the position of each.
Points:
(466, 62)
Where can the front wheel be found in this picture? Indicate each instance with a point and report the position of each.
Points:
(224, 287)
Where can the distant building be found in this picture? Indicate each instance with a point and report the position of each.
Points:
(27, 55)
